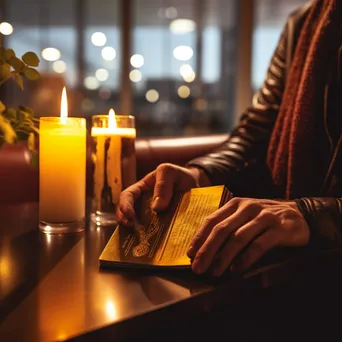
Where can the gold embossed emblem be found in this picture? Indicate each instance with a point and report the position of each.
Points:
(143, 248)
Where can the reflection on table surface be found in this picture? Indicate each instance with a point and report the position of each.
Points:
(54, 282)
(51, 287)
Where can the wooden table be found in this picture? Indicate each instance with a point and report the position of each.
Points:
(51, 288)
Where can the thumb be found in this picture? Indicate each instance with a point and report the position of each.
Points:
(164, 187)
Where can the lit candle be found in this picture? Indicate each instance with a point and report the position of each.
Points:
(62, 167)
(114, 158)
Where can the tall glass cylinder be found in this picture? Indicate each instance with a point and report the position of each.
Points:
(114, 161)
(62, 174)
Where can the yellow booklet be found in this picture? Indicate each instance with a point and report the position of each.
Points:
(162, 240)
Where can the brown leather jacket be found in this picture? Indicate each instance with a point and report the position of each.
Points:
(240, 163)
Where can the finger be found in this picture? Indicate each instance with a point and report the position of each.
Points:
(204, 231)
(267, 241)
(166, 177)
(120, 218)
(238, 242)
(132, 193)
(218, 235)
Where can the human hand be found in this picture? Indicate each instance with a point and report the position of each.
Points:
(243, 230)
(166, 179)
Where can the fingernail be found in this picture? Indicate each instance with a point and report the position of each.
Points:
(156, 202)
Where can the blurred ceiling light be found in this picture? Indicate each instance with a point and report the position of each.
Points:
(152, 95)
(108, 53)
(135, 76)
(183, 53)
(102, 75)
(137, 61)
(6, 28)
(171, 12)
(98, 38)
(181, 26)
(189, 77)
(91, 83)
(51, 54)
(59, 67)
(183, 91)
(187, 73)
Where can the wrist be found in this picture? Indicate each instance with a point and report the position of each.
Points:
(200, 176)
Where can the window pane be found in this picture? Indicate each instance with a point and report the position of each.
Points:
(87, 65)
(182, 65)
(184, 79)
(48, 29)
(102, 56)
(270, 18)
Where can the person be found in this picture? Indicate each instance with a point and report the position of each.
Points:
(282, 162)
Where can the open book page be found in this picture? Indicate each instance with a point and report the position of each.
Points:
(196, 205)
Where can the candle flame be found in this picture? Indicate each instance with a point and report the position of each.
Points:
(64, 105)
(111, 119)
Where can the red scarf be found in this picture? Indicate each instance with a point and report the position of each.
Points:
(292, 154)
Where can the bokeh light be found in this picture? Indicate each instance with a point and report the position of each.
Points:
(98, 38)
(152, 95)
(108, 53)
(51, 54)
(183, 53)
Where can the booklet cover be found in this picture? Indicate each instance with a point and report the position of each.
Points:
(162, 239)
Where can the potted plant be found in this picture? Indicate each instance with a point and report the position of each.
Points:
(18, 124)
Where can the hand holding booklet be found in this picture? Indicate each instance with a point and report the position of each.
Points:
(162, 239)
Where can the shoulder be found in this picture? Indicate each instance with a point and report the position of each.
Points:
(293, 27)
(300, 13)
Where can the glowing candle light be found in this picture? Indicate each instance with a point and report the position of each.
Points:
(62, 165)
(114, 155)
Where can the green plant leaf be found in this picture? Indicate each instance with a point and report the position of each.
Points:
(2, 54)
(31, 59)
(9, 54)
(31, 74)
(30, 142)
(17, 64)
(10, 114)
(19, 80)
(2, 107)
(22, 116)
(5, 71)
(34, 159)
(35, 129)
(27, 110)
(7, 130)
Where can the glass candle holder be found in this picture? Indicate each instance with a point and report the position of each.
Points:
(113, 155)
(62, 174)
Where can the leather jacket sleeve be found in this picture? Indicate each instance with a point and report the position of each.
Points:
(324, 217)
(240, 163)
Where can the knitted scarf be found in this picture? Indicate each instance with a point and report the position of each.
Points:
(293, 153)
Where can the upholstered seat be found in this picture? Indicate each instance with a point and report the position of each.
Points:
(19, 180)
